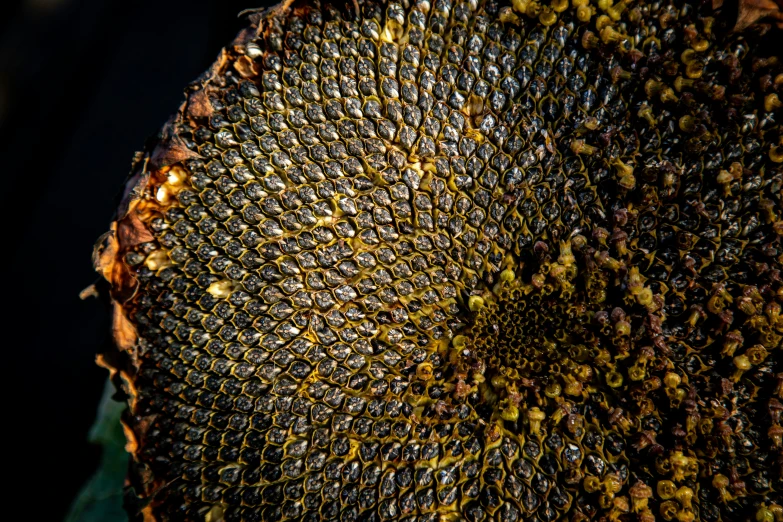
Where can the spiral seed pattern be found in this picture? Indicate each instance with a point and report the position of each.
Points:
(459, 260)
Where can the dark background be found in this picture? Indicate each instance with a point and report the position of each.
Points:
(83, 83)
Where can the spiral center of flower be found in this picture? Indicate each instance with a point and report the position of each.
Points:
(527, 333)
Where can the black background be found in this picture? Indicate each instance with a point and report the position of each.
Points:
(83, 83)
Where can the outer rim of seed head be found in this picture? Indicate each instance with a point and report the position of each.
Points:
(128, 230)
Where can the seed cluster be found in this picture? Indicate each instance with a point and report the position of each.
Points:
(460, 260)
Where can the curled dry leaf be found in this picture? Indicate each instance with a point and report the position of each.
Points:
(244, 36)
(752, 11)
(246, 67)
(131, 444)
(125, 335)
(198, 105)
(171, 150)
(131, 231)
(88, 292)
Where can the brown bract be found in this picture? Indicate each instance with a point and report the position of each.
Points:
(753, 11)
(198, 104)
(171, 150)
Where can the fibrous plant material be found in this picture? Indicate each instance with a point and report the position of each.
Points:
(460, 260)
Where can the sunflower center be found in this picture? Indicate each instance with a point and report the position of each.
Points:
(531, 333)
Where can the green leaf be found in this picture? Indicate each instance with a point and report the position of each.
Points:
(100, 500)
